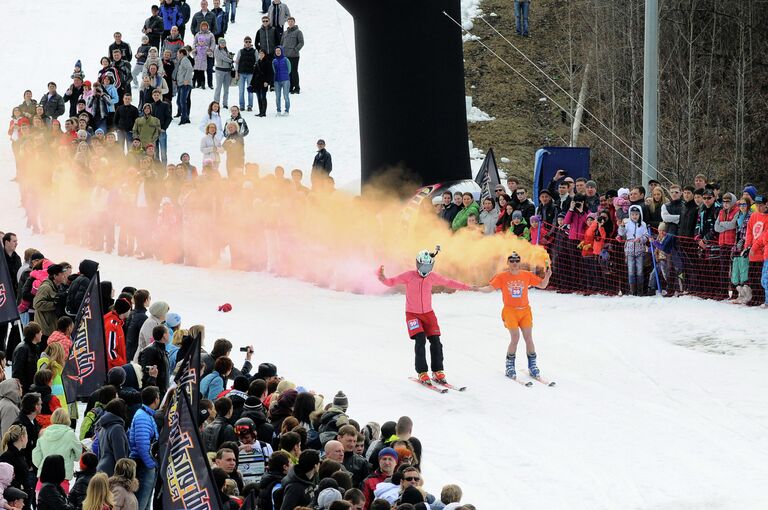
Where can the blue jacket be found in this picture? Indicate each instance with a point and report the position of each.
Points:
(281, 66)
(211, 385)
(173, 352)
(142, 434)
(171, 16)
(112, 91)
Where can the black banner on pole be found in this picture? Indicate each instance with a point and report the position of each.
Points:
(8, 310)
(184, 469)
(488, 176)
(86, 368)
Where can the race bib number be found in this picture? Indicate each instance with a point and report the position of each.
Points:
(516, 289)
(413, 324)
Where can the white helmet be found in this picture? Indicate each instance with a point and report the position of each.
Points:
(424, 262)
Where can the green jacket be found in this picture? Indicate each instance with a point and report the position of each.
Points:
(45, 306)
(521, 231)
(461, 219)
(146, 129)
(58, 440)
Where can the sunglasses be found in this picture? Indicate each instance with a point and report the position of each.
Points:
(727, 201)
(520, 193)
(709, 198)
(742, 204)
(411, 478)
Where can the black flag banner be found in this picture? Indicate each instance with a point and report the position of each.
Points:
(187, 379)
(86, 368)
(188, 372)
(8, 310)
(488, 176)
(187, 479)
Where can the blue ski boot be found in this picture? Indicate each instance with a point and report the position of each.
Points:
(532, 368)
(510, 367)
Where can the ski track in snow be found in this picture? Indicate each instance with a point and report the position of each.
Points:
(660, 404)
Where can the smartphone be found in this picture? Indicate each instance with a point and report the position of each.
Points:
(243, 349)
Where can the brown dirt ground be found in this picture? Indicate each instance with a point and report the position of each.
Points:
(523, 124)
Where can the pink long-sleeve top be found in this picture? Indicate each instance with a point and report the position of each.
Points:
(418, 290)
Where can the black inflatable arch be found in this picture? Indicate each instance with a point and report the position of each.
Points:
(410, 77)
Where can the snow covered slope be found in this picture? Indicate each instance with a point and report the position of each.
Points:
(660, 404)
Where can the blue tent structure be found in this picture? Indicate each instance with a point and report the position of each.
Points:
(574, 160)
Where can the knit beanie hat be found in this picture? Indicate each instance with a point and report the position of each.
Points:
(341, 401)
(517, 215)
(172, 320)
(328, 496)
(159, 309)
(388, 452)
(751, 190)
(252, 403)
(536, 218)
(122, 306)
(116, 376)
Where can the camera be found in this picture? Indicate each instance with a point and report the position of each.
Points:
(245, 349)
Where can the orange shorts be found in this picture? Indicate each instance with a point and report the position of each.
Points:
(517, 317)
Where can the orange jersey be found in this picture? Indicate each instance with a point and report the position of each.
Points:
(514, 287)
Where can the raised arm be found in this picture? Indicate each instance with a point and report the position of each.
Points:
(545, 281)
(391, 282)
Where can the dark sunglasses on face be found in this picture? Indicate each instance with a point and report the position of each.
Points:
(411, 478)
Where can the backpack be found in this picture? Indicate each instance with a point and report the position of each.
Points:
(88, 429)
(221, 24)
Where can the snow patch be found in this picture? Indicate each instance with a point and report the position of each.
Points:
(475, 114)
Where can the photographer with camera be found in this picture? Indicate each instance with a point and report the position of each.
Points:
(576, 219)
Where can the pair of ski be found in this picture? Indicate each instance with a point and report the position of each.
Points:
(528, 384)
(437, 386)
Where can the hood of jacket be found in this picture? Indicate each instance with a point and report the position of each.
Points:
(638, 209)
(10, 389)
(282, 51)
(108, 419)
(56, 433)
(6, 474)
(88, 268)
(293, 478)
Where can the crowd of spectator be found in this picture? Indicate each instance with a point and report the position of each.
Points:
(272, 444)
(680, 239)
(130, 102)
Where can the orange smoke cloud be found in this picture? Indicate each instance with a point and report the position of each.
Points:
(330, 238)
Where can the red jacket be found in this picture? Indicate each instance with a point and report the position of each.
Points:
(115, 338)
(369, 485)
(755, 228)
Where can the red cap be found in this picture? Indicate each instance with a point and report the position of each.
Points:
(87, 83)
(226, 307)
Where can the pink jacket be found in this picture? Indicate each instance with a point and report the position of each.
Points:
(418, 290)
